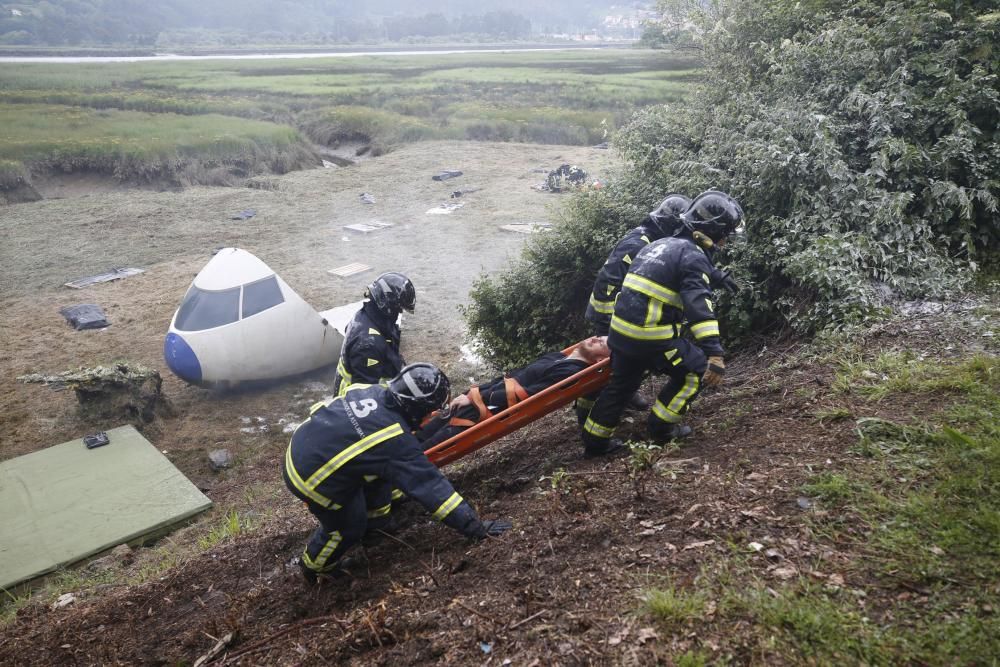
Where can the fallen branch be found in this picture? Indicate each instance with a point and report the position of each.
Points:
(477, 613)
(530, 618)
(220, 646)
(256, 646)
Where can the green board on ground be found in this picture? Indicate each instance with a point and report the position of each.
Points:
(62, 504)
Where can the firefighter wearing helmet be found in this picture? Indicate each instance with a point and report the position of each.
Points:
(661, 222)
(370, 353)
(665, 295)
(353, 450)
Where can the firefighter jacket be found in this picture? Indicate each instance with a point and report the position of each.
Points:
(610, 277)
(668, 284)
(370, 354)
(358, 438)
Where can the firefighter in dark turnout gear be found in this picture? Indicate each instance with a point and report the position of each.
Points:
(490, 398)
(346, 458)
(370, 353)
(665, 294)
(663, 221)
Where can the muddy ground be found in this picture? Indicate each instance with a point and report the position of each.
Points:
(298, 231)
(590, 535)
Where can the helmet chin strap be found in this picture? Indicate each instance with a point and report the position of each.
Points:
(702, 239)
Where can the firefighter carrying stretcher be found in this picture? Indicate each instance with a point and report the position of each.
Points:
(666, 294)
(345, 460)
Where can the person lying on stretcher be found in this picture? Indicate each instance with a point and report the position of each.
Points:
(483, 401)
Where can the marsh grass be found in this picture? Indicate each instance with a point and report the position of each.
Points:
(128, 119)
(136, 146)
(12, 175)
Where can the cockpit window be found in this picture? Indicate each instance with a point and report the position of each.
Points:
(202, 309)
(261, 295)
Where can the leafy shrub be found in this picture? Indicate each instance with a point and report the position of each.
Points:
(860, 138)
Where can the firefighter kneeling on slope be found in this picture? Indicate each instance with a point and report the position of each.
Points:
(666, 292)
(348, 456)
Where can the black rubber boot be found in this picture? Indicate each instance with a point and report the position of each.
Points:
(638, 403)
(676, 432)
(614, 447)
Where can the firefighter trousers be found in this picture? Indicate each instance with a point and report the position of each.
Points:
(683, 363)
(340, 529)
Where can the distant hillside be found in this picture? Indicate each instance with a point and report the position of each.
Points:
(233, 22)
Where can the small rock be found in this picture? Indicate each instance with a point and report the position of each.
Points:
(936, 550)
(645, 634)
(486, 647)
(836, 580)
(785, 573)
(756, 546)
(64, 600)
(803, 502)
(220, 459)
(772, 554)
(756, 477)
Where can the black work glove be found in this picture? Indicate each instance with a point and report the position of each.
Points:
(725, 280)
(495, 527)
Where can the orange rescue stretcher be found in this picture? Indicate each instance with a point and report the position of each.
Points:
(584, 382)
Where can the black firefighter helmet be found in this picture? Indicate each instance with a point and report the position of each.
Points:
(392, 293)
(667, 215)
(420, 389)
(715, 214)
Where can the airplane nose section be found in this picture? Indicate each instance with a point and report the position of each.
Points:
(181, 359)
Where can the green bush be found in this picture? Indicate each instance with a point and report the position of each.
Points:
(861, 139)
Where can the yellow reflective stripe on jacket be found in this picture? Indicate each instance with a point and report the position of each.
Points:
(379, 511)
(598, 430)
(625, 328)
(653, 290)
(300, 484)
(345, 377)
(397, 494)
(654, 312)
(645, 238)
(603, 307)
(627, 259)
(357, 448)
(705, 329)
(454, 500)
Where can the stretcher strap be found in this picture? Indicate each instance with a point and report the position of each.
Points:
(484, 413)
(515, 392)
